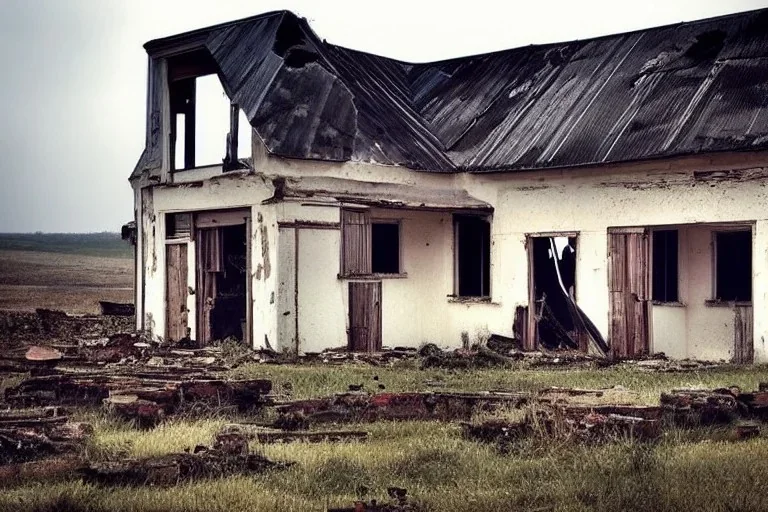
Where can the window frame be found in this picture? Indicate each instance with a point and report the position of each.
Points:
(370, 221)
(485, 295)
(181, 73)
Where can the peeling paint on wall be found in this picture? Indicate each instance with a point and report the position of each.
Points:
(265, 251)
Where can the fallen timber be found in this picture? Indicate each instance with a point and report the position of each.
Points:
(145, 397)
(28, 435)
(363, 407)
(269, 435)
(227, 456)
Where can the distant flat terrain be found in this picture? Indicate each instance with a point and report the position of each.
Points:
(88, 244)
(71, 282)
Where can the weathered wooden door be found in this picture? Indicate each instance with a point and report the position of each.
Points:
(176, 290)
(629, 288)
(365, 316)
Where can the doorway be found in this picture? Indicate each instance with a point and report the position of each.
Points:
(223, 270)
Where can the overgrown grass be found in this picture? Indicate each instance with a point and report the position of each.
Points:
(686, 470)
(305, 381)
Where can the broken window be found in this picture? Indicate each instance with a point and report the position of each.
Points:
(664, 265)
(206, 128)
(385, 247)
(178, 226)
(368, 247)
(473, 256)
(733, 265)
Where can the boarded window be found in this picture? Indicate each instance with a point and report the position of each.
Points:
(385, 248)
(355, 242)
(473, 256)
(178, 226)
(665, 265)
(733, 265)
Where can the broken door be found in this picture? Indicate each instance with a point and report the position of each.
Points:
(365, 316)
(176, 290)
(629, 287)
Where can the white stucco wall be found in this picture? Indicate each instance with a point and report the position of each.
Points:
(235, 190)
(416, 309)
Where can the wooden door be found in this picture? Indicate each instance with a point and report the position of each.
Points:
(176, 290)
(365, 316)
(629, 288)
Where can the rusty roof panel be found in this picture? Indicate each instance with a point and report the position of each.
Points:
(667, 91)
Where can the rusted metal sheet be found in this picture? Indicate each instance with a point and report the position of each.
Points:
(355, 242)
(176, 291)
(628, 277)
(743, 339)
(365, 316)
(667, 91)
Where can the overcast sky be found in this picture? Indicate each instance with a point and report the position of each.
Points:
(72, 86)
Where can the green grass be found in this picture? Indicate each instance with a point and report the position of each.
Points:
(104, 244)
(306, 381)
(686, 470)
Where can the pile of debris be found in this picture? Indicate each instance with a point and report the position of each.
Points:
(229, 455)
(364, 407)
(146, 397)
(31, 434)
(556, 419)
(20, 327)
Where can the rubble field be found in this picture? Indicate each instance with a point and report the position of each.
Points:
(96, 418)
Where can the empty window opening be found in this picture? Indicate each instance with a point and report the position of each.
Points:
(664, 265)
(203, 117)
(222, 274)
(554, 291)
(178, 226)
(473, 256)
(385, 247)
(733, 265)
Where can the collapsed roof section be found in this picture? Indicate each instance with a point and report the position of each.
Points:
(668, 91)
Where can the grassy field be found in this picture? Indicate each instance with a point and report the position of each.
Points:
(686, 470)
(68, 281)
(88, 244)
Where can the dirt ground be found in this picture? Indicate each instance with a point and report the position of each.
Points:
(71, 282)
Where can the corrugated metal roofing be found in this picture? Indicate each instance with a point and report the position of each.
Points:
(668, 91)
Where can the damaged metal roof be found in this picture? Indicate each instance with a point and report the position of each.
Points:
(667, 91)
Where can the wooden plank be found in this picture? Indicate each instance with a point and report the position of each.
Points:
(743, 346)
(355, 242)
(618, 321)
(176, 292)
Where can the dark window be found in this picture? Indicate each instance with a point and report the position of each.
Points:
(178, 226)
(665, 266)
(385, 248)
(733, 265)
(473, 256)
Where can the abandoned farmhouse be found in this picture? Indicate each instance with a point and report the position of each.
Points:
(606, 195)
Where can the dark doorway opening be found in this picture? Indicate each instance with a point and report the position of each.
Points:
(553, 261)
(222, 283)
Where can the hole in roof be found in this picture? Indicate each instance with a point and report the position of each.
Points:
(707, 46)
(299, 57)
(289, 34)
